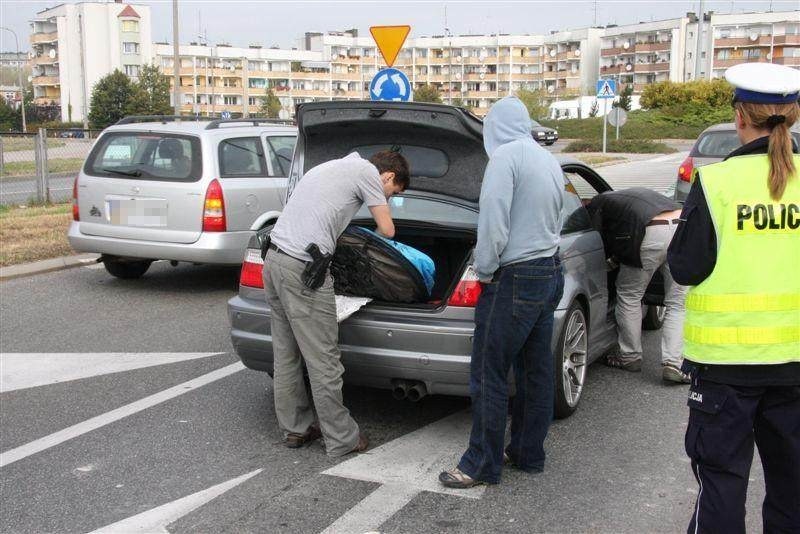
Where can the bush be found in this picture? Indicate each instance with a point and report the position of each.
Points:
(637, 146)
(715, 93)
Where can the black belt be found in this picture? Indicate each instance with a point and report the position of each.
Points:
(273, 246)
(660, 222)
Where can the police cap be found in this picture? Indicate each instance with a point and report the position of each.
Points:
(764, 83)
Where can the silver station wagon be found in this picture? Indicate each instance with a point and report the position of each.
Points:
(178, 190)
(424, 348)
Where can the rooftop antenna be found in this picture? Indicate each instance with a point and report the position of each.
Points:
(595, 13)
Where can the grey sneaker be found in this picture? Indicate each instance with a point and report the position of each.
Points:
(671, 373)
(615, 360)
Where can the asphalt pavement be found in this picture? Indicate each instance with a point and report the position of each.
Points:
(193, 445)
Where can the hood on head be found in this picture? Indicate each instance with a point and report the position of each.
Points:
(508, 120)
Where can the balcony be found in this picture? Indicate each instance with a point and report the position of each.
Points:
(787, 40)
(42, 37)
(526, 60)
(651, 67)
(653, 47)
(481, 94)
(639, 87)
(311, 75)
(47, 101)
(44, 60)
(614, 69)
(45, 80)
(569, 54)
(788, 61)
(526, 77)
(312, 92)
(730, 42)
(725, 63)
(346, 76)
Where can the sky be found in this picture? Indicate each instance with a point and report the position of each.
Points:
(283, 23)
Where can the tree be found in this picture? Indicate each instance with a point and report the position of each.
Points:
(594, 109)
(151, 93)
(427, 93)
(271, 105)
(8, 116)
(111, 98)
(624, 101)
(535, 101)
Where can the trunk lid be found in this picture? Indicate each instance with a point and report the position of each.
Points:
(143, 185)
(443, 144)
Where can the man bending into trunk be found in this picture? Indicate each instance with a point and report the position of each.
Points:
(516, 258)
(303, 320)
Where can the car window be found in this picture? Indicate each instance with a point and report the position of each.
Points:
(241, 157)
(146, 156)
(422, 161)
(412, 208)
(535, 124)
(716, 144)
(577, 193)
(280, 150)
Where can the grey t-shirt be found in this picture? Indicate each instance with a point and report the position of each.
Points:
(323, 203)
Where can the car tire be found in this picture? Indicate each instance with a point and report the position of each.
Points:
(550, 143)
(653, 318)
(126, 270)
(571, 361)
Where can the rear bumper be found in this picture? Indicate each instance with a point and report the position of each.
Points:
(374, 352)
(225, 248)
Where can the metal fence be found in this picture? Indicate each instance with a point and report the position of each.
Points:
(42, 167)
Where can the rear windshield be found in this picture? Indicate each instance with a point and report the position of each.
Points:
(146, 156)
(422, 160)
(413, 208)
(716, 144)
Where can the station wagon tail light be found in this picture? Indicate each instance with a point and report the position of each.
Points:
(467, 291)
(76, 214)
(686, 169)
(214, 209)
(251, 269)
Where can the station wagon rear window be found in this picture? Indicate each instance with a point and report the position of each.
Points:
(422, 161)
(146, 156)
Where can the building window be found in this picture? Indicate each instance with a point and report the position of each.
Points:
(254, 101)
(130, 25)
(132, 70)
(130, 48)
(230, 101)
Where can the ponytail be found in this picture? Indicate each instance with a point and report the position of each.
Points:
(777, 118)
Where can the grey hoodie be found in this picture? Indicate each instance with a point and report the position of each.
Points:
(522, 193)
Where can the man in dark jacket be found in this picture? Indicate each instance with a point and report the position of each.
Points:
(637, 226)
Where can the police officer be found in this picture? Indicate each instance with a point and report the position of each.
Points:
(738, 245)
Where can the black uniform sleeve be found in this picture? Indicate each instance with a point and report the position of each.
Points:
(692, 253)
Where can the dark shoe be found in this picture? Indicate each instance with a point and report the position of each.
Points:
(361, 446)
(295, 441)
(616, 361)
(455, 478)
(670, 373)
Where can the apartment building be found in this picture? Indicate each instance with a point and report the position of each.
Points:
(650, 52)
(74, 45)
(643, 54)
(753, 37)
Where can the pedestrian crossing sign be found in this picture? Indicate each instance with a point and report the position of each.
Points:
(606, 88)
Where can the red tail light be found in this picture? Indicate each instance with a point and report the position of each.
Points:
(467, 291)
(214, 209)
(686, 169)
(251, 269)
(76, 214)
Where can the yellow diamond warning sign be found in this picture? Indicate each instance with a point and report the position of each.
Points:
(390, 40)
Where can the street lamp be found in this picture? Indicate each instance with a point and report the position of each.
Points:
(19, 79)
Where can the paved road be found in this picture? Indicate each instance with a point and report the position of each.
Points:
(158, 443)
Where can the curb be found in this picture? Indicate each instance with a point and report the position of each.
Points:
(46, 266)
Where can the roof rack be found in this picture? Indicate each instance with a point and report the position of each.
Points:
(159, 118)
(215, 124)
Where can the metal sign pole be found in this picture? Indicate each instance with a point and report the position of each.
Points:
(616, 110)
(605, 122)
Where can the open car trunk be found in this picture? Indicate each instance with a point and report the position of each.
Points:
(450, 250)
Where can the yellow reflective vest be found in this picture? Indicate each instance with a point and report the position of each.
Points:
(748, 310)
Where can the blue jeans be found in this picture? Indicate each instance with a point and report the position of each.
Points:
(513, 325)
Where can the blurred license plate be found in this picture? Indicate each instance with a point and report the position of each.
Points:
(137, 211)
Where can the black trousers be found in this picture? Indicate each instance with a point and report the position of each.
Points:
(724, 423)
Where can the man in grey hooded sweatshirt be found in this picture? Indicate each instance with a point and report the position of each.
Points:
(516, 259)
